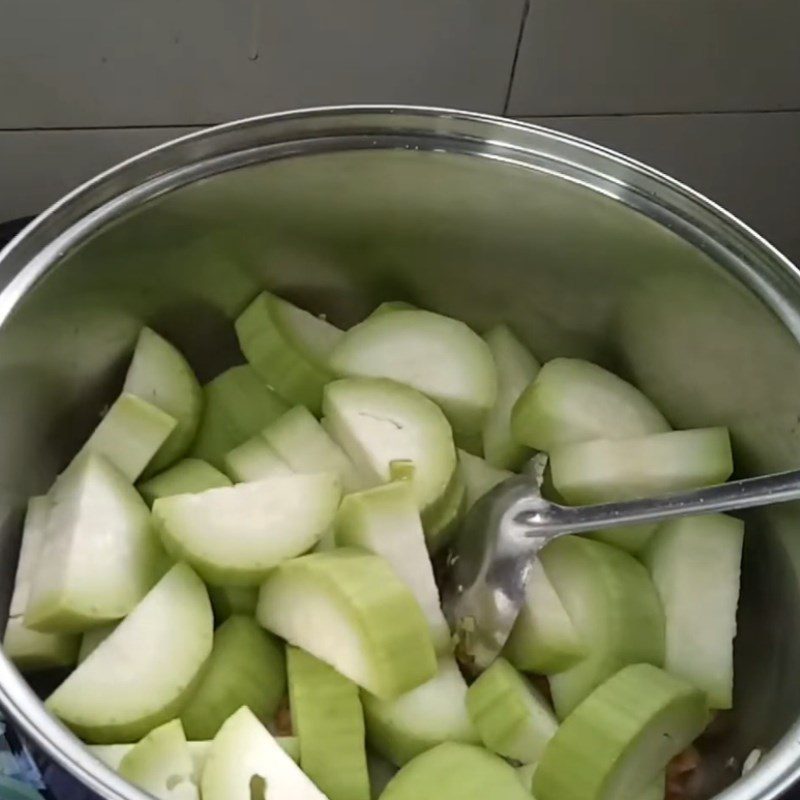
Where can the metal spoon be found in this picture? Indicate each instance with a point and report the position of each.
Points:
(489, 562)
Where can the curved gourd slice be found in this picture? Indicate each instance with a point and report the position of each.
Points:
(621, 737)
(121, 692)
(349, 609)
(613, 604)
(439, 356)
(435, 712)
(288, 347)
(189, 476)
(516, 368)
(237, 534)
(571, 400)
(161, 375)
(454, 771)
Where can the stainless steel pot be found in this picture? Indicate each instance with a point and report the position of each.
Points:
(584, 251)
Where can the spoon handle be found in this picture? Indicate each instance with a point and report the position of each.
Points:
(552, 518)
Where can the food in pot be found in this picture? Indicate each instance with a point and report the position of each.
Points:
(242, 578)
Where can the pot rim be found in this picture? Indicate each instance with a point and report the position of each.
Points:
(67, 223)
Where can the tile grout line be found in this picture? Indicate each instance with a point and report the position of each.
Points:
(656, 114)
(526, 7)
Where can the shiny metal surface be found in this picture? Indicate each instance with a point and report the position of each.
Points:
(582, 251)
(503, 533)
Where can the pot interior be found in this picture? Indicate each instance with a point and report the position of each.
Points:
(580, 263)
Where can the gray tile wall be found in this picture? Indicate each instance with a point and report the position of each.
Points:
(708, 90)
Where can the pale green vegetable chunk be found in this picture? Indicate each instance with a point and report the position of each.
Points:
(329, 723)
(112, 754)
(189, 476)
(613, 604)
(378, 422)
(161, 375)
(604, 470)
(96, 518)
(479, 476)
(254, 460)
(454, 771)
(525, 774)
(412, 723)
(544, 638)
(32, 651)
(695, 564)
(439, 356)
(385, 521)
(121, 692)
(237, 405)
(235, 535)
(571, 400)
(246, 668)
(29, 649)
(92, 638)
(288, 347)
(130, 434)
(245, 762)
(510, 715)
(619, 740)
(301, 442)
(516, 368)
(349, 609)
(161, 764)
(441, 521)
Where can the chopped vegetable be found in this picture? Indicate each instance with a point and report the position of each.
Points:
(161, 375)
(620, 739)
(510, 715)
(189, 476)
(237, 534)
(329, 723)
(349, 609)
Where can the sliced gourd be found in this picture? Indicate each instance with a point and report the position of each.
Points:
(624, 469)
(32, 651)
(92, 638)
(510, 715)
(619, 740)
(229, 600)
(254, 460)
(443, 519)
(349, 609)
(695, 564)
(571, 400)
(245, 762)
(161, 375)
(439, 356)
(455, 771)
(544, 638)
(305, 446)
(130, 435)
(329, 724)
(29, 649)
(614, 606)
(479, 476)
(237, 405)
(189, 476)
(112, 754)
(385, 521)
(161, 764)
(246, 668)
(121, 692)
(435, 712)
(516, 368)
(96, 518)
(237, 534)
(378, 422)
(288, 347)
